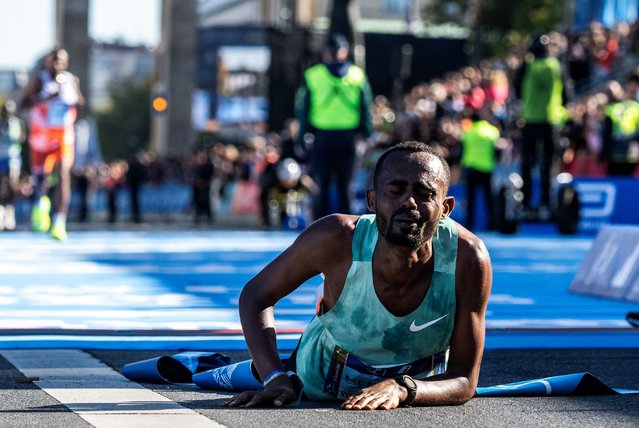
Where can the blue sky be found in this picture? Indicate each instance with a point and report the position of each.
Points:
(27, 27)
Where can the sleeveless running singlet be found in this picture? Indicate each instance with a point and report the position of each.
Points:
(359, 342)
(52, 119)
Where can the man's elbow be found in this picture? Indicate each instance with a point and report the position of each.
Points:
(465, 392)
(253, 298)
(247, 299)
(454, 391)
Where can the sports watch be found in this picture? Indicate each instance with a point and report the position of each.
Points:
(410, 385)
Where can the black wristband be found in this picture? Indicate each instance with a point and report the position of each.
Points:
(410, 385)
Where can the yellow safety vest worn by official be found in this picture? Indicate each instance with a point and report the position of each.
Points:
(358, 342)
(478, 146)
(624, 116)
(541, 91)
(335, 102)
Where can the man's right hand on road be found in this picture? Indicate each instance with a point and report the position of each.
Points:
(280, 392)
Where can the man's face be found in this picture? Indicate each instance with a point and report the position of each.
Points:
(409, 199)
(330, 56)
(57, 62)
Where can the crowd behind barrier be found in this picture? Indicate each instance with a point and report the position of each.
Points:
(220, 179)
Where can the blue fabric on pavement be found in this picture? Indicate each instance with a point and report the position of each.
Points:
(564, 385)
(178, 368)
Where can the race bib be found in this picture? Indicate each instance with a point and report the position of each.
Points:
(347, 374)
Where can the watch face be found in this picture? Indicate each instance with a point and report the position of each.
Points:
(409, 382)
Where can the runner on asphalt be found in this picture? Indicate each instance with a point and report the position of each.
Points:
(52, 99)
(402, 318)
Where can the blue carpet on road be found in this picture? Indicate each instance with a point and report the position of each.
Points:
(179, 290)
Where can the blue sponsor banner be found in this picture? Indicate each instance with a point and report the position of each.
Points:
(603, 202)
(607, 201)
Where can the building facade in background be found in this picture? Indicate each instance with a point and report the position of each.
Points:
(284, 37)
(110, 63)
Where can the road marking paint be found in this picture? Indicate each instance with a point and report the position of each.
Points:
(100, 395)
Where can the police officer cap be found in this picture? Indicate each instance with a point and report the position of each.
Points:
(336, 41)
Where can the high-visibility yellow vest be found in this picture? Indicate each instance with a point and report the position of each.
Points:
(478, 145)
(541, 91)
(624, 116)
(334, 101)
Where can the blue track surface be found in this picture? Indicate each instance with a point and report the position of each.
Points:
(179, 290)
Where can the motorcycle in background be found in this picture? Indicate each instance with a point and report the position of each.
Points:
(289, 200)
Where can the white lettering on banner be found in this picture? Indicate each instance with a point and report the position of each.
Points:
(621, 278)
(597, 199)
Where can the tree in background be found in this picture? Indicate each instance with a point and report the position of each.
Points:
(124, 126)
(497, 25)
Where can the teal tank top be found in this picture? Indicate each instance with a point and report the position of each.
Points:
(361, 325)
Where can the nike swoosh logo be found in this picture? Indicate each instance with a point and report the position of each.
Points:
(415, 328)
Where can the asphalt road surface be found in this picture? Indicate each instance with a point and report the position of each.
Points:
(25, 404)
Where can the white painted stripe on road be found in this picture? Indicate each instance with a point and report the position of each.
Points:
(100, 395)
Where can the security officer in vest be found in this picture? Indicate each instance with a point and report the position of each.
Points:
(478, 160)
(621, 131)
(333, 105)
(543, 94)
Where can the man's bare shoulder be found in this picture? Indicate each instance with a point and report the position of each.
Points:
(471, 252)
(333, 229)
(474, 269)
(470, 246)
(326, 243)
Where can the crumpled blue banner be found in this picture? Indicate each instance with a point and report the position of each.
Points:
(178, 368)
(564, 385)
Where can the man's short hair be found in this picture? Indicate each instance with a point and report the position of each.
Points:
(335, 42)
(413, 147)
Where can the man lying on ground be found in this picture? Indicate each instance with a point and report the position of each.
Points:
(402, 318)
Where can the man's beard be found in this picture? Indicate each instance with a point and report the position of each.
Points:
(412, 238)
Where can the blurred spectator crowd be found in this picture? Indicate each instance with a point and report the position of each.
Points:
(596, 64)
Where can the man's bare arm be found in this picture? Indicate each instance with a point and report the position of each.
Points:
(30, 95)
(81, 100)
(473, 284)
(314, 251)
